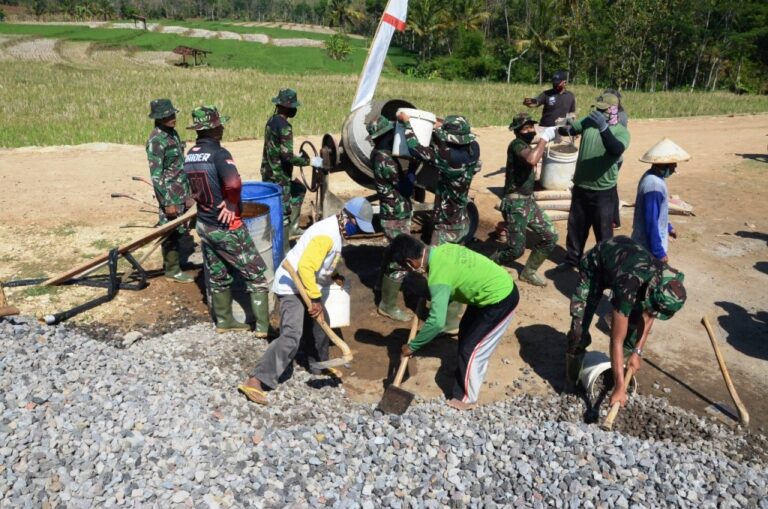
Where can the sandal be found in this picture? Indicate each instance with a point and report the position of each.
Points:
(332, 372)
(460, 405)
(253, 394)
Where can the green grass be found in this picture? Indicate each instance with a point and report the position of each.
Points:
(36, 291)
(103, 244)
(64, 230)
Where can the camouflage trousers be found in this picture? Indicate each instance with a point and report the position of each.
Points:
(178, 237)
(228, 250)
(392, 228)
(293, 192)
(521, 214)
(450, 233)
(584, 304)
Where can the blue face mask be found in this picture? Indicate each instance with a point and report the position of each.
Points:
(351, 228)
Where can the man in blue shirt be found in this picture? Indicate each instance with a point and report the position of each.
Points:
(651, 227)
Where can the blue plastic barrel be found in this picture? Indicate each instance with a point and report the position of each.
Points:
(270, 195)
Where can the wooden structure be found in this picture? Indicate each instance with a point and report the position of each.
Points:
(199, 56)
(139, 19)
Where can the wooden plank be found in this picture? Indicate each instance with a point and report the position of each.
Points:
(8, 311)
(127, 248)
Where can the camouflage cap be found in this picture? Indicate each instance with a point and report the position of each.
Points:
(379, 126)
(668, 297)
(520, 120)
(605, 101)
(455, 129)
(207, 117)
(286, 97)
(161, 108)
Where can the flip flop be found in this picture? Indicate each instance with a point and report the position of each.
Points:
(460, 405)
(332, 372)
(253, 394)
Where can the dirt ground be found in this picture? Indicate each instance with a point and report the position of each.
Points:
(57, 212)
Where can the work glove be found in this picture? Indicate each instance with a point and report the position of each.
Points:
(305, 158)
(405, 184)
(171, 211)
(597, 117)
(549, 134)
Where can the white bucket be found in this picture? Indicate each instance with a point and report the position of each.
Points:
(558, 167)
(336, 301)
(595, 365)
(422, 122)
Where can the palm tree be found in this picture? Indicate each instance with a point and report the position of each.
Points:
(425, 19)
(340, 13)
(540, 32)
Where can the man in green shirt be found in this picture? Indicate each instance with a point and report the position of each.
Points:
(603, 141)
(520, 210)
(456, 273)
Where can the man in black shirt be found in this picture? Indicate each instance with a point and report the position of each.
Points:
(557, 101)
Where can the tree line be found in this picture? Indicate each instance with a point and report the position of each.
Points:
(648, 45)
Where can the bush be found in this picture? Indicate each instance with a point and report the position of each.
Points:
(337, 46)
(2, 15)
(457, 68)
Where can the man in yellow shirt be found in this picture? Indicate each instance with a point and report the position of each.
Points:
(315, 257)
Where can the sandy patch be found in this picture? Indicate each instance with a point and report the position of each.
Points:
(260, 38)
(36, 50)
(309, 43)
(230, 35)
(205, 34)
(170, 29)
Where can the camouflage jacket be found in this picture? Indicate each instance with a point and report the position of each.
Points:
(387, 172)
(278, 159)
(165, 152)
(520, 175)
(622, 265)
(456, 165)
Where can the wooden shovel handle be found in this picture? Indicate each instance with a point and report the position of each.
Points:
(411, 334)
(743, 414)
(614, 411)
(345, 351)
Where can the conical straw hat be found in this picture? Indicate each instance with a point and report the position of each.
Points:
(665, 151)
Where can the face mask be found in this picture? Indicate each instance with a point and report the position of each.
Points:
(560, 87)
(667, 171)
(350, 228)
(527, 137)
(290, 112)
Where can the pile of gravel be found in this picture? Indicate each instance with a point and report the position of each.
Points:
(160, 424)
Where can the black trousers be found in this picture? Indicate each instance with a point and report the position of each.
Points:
(588, 209)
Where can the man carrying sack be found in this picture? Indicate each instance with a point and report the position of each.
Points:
(165, 153)
(227, 245)
(314, 258)
(456, 273)
(643, 289)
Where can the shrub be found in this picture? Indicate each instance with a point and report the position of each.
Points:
(337, 46)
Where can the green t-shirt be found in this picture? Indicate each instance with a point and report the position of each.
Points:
(459, 274)
(596, 169)
(520, 176)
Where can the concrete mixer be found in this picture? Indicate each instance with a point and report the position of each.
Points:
(352, 154)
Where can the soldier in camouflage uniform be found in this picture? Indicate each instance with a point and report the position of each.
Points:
(165, 152)
(518, 206)
(643, 289)
(395, 211)
(456, 155)
(227, 245)
(278, 160)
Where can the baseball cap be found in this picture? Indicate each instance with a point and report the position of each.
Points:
(361, 209)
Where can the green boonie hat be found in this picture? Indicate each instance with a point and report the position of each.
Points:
(520, 120)
(161, 108)
(605, 101)
(287, 97)
(455, 129)
(206, 117)
(668, 297)
(381, 125)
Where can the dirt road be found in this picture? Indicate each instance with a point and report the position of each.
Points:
(57, 211)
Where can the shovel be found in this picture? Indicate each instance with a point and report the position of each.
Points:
(607, 424)
(346, 353)
(396, 400)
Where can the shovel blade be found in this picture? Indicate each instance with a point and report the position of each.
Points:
(395, 401)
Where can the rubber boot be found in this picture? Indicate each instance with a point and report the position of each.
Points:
(573, 364)
(293, 227)
(529, 274)
(173, 267)
(453, 318)
(222, 310)
(260, 307)
(390, 290)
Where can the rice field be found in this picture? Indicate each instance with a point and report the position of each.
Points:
(103, 96)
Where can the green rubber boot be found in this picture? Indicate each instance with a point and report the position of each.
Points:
(260, 307)
(293, 226)
(453, 318)
(573, 364)
(172, 267)
(390, 290)
(222, 310)
(529, 274)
